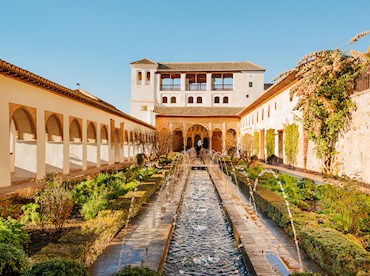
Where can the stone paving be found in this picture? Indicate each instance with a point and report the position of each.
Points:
(145, 241)
(269, 249)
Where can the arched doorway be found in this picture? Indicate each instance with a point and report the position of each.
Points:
(92, 151)
(54, 144)
(75, 146)
(177, 141)
(231, 142)
(23, 146)
(217, 140)
(104, 148)
(189, 143)
(205, 142)
(196, 133)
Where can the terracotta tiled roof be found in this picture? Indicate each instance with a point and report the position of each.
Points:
(9, 70)
(197, 111)
(209, 66)
(144, 61)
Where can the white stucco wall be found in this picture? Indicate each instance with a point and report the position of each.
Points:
(54, 158)
(25, 157)
(353, 148)
(39, 153)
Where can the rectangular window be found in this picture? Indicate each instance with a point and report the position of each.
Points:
(143, 108)
(250, 84)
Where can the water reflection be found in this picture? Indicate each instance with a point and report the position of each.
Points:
(203, 242)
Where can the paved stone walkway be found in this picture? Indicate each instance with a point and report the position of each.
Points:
(145, 241)
(269, 249)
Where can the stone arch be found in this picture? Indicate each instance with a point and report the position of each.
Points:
(75, 134)
(24, 124)
(104, 134)
(22, 143)
(177, 140)
(217, 140)
(75, 147)
(91, 133)
(53, 128)
(231, 141)
(104, 146)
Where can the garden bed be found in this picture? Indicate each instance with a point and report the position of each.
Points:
(81, 217)
(337, 253)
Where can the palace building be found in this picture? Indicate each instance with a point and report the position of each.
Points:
(50, 128)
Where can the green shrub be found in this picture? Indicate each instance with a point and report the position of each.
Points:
(291, 136)
(349, 206)
(31, 213)
(94, 205)
(13, 261)
(57, 267)
(136, 271)
(270, 142)
(334, 252)
(11, 232)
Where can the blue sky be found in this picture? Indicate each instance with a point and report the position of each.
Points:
(92, 42)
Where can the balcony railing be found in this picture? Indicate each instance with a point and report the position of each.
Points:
(196, 87)
(222, 87)
(170, 87)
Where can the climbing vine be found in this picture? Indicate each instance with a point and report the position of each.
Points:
(256, 147)
(326, 82)
(270, 142)
(291, 135)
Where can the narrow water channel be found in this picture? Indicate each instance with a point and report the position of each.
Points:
(203, 242)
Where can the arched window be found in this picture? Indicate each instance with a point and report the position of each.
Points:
(173, 99)
(164, 99)
(139, 76)
(225, 100)
(199, 99)
(190, 100)
(148, 76)
(217, 99)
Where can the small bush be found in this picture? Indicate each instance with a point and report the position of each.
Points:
(31, 213)
(56, 203)
(11, 232)
(136, 271)
(13, 261)
(94, 205)
(57, 267)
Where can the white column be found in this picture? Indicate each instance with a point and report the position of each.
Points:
(183, 82)
(98, 143)
(4, 145)
(66, 144)
(41, 143)
(84, 144)
(209, 81)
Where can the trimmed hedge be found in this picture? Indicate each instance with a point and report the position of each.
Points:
(85, 244)
(136, 271)
(331, 249)
(57, 267)
(13, 261)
